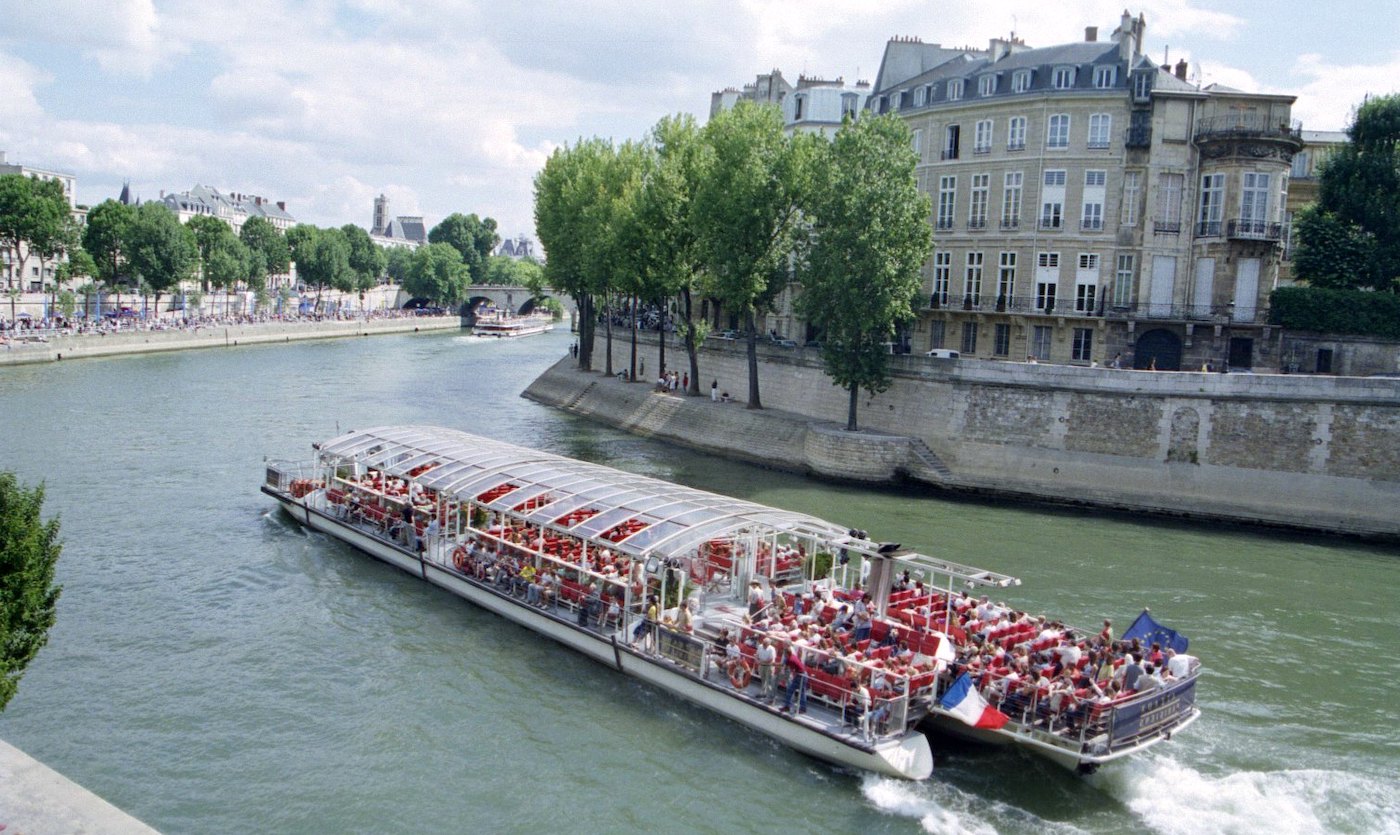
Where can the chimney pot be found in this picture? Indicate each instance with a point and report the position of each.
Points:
(1181, 67)
(1091, 34)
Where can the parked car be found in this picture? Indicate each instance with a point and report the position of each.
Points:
(943, 354)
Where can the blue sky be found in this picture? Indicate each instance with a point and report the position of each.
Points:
(453, 105)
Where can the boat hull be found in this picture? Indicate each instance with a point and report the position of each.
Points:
(907, 756)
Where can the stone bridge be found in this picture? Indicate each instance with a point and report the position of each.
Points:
(516, 299)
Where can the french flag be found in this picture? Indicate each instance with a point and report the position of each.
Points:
(963, 701)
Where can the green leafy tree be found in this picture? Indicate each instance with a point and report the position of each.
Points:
(474, 239)
(32, 213)
(437, 273)
(1352, 238)
(105, 239)
(746, 212)
(869, 237)
(505, 271)
(162, 251)
(29, 550)
(327, 263)
(397, 260)
(210, 234)
(366, 259)
(267, 248)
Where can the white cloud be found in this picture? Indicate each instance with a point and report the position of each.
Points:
(1332, 92)
(121, 35)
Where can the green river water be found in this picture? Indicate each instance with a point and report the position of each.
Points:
(215, 668)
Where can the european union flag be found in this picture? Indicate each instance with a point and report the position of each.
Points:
(1148, 631)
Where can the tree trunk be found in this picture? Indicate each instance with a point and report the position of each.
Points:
(754, 401)
(585, 332)
(851, 412)
(661, 336)
(607, 329)
(632, 367)
(691, 349)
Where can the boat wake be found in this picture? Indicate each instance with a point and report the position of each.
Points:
(941, 808)
(1171, 797)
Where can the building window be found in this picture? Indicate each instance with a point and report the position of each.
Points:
(1100, 129)
(1142, 85)
(848, 106)
(1052, 199)
(1016, 134)
(1006, 278)
(1254, 203)
(969, 338)
(916, 141)
(1212, 205)
(1168, 218)
(972, 279)
(1047, 280)
(1123, 282)
(1300, 165)
(986, 85)
(1063, 79)
(1001, 340)
(920, 94)
(951, 138)
(1132, 193)
(1091, 218)
(982, 137)
(977, 213)
(1011, 200)
(1040, 342)
(935, 333)
(955, 89)
(1020, 81)
(1105, 77)
(797, 102)
(1086, 283)
(947, 198)
(1057, 131)
(942, 270)
(1083, 348)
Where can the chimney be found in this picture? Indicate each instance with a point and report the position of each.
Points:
(1091, 34)
(1181, 69)
(998, 49)
(282, 204)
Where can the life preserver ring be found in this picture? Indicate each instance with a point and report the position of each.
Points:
(459, 558)
(740, 675)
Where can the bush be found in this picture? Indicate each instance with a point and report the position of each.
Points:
(1323, 310)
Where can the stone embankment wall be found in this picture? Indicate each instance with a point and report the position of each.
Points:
(1311, 452)
(141, 342)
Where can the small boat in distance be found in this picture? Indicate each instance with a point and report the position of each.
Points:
(501, 324)
(810, 633)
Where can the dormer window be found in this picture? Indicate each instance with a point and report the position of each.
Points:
(919, 96)
(797, 105)
(1105, 77)
(1021, 81)
(1063, 78)
(986, 85)
(955, 89)
(1142, 85)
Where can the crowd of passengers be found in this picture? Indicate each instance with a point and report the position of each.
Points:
(1023, 663)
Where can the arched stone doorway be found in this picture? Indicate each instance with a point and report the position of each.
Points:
(1159, 349)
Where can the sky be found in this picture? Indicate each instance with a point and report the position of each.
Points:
(454, 105)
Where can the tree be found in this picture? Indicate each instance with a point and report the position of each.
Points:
(505, 271)
(162, 251)
(327, 263)
(210, 234)
(437, 273)
(474, 239)
(1352, 237)
(29, 550)
(366, 259)
(746, 212)
(105, 239)
(33, 215)
(267, 248)
(869, 238)
(397, 260)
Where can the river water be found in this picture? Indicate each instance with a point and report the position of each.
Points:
(215, 668)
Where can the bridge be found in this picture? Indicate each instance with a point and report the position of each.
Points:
(516, 299)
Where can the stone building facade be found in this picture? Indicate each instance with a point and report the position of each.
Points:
(1088, 203)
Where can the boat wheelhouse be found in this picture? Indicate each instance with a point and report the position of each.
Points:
(687, 590)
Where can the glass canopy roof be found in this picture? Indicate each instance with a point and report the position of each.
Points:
(636, 514)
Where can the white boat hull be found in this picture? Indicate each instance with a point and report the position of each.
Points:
(907, 756)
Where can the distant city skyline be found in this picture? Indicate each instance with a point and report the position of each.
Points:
(448, 106)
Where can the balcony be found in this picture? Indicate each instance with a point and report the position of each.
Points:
(1208, 229)
(1139, 137)
(1016, 146)
(948, 153)
(977, 223)
(1166, 227)
(1246, 126)
(1254, 230)
(1050, 222)
(944, 224)
(1011, 223)
(1214, 314)
(1091, 224)
(1098, 144)
(981, 149)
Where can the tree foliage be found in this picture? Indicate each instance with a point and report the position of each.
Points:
(869, 238)
(29, 550)
(366, 259)
(1336, 311)
(474, 239)
(437, 273)
(1352, 237)
(105, 237)
(267, 248)
(161, 250)
(397, 261)
(33, 215)
(505, 271)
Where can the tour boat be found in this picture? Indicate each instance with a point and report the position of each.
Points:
(503, 325)
(650, 578)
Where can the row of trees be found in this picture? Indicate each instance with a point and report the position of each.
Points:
(732, 213)
(145, 248)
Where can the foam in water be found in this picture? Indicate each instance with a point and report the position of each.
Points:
(1171, 798)
(942, 808)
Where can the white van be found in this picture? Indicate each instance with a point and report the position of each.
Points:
(943, 354)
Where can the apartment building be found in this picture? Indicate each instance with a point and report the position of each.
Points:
(1088, 202)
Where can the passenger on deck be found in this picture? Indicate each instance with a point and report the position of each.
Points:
(766, 657)
(797, 680)
(756, 601)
